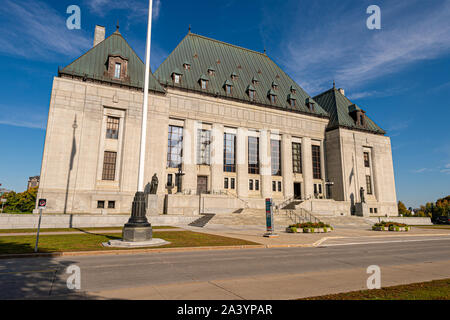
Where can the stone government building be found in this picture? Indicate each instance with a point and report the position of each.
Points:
(236, 125)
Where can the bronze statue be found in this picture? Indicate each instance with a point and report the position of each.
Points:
(361, 193)
(154, 184)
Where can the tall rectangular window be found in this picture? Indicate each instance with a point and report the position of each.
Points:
(366, 160)
(109, 166)
(275, 148)
(369, 184)
(117, 70)
(253, 155)
(112, 128)
(229, 152)
(175, 147)
(204, 147)
(317, 171)
(297, 157)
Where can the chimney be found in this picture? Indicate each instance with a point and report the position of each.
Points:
(99, 35)
(342, 91)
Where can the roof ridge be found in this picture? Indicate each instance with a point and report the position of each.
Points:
(228, 44)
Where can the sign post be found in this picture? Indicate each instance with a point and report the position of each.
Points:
(42, 203)
(269, 220)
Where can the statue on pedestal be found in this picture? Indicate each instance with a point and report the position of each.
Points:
(362, 195)
(154, 184)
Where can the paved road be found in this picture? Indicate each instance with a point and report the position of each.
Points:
(282, 273)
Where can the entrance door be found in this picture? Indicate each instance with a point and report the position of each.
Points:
(297, 190)
(202, 184)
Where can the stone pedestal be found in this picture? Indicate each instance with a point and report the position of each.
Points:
(138, 228)
(362, 209)
(152, 205)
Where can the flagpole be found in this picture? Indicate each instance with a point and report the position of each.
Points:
(145, 105)
(138, 229)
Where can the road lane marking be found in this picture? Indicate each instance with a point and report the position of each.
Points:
(380, 242)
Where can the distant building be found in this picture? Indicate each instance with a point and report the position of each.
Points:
(33, 182)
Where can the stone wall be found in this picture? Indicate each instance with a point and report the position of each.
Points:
(14, 221)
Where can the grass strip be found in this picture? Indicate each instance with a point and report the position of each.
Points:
(74, 229)
(433, 290)
(93, 242)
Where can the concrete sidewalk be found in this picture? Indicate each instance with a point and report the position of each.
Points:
(255, 234)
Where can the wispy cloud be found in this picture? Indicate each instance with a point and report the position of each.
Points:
(26, 117)
(446, 169)
(34, 30)
(337, 45)
(136, 9)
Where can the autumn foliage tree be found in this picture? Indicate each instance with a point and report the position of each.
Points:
(23, 202)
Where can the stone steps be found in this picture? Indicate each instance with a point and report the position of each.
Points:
(346, 221)
(250, 217)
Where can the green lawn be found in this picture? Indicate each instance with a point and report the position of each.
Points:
(73, 229)
(93, 242)
(433, 290)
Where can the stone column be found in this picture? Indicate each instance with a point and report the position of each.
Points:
(241, 162)
(217, 158)
(189, 167)
(266, 164)
(286, 166)
(308, 187)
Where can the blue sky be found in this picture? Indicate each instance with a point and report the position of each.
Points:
(400, 74)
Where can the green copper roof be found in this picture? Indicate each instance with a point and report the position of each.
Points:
(227, 59)
(93, 64)
(340, 108)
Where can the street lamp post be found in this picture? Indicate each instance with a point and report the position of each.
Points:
(138, 228)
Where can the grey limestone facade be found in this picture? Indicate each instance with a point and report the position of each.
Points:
(91, 154)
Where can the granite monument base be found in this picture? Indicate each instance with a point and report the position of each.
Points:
(141, 244)
(137, 234)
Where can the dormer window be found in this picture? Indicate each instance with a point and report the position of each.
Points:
(274, 85)
(272, 96)
(255, 81)
(228, 87)
(358, 115)
(310, 104)
(293, 90)
(203, 82)
(117, 70)
(211, 71)
(251, 92)
(176, 76)
(187, 66)
(117, 66)
(292, 100)
(234, 76)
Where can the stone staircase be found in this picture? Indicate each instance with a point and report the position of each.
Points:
(346, 221)
(203, 221)
(250, 217)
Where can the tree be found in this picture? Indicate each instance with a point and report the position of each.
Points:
(23, 202)
(402, 209)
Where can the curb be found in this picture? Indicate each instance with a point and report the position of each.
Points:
(141, 251)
